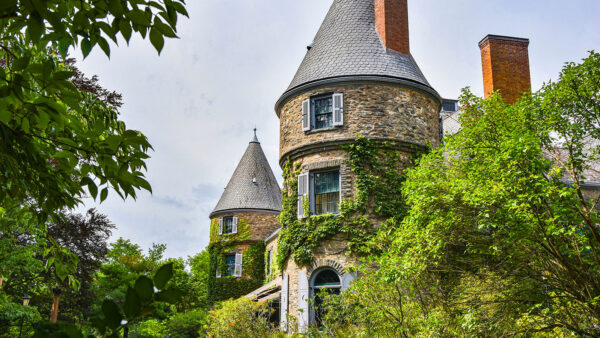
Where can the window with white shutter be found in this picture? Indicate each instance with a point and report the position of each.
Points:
(306, 115)
(338, 109)
(220, 226)
(238, 265)
(234, 226)
(303, 190)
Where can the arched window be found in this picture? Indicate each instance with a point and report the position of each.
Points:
(323, 282)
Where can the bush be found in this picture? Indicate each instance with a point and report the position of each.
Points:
(189, 324)
(240, 318)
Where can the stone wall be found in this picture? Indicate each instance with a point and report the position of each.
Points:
(372, 110)
(261, 224)
(330, 254)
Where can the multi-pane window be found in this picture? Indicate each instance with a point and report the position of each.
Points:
(326, 195)
(230, 262)
(322, 108)
(227, 225)
(323, 112)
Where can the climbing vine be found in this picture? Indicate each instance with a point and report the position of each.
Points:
(378, 174)
(253, 265)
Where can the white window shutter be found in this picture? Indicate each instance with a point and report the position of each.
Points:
(303, 298)
(302, 193)
(235, 225)
(347, 279)
(220, 226)
(338, 109)
(306, 115)
(283, 311)
(238, 265)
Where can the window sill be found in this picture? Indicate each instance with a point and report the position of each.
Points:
(314, 131)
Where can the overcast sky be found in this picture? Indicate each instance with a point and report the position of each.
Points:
(199, 101)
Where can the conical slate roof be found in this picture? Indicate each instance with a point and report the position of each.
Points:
(252, 186)
(348, 44)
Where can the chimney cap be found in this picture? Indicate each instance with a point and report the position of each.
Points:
(502, 38)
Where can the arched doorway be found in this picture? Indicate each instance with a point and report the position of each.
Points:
(323, 281)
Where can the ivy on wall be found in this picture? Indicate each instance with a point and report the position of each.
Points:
(378, 172)
(253, 264)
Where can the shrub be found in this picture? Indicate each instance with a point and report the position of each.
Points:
(240, 318)
(189, 324)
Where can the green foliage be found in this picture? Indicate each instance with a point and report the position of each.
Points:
(188, 324)
(378, 168)
(253, 272)
(501, 234)
(240, 318)
(113, 318)
(242, 234)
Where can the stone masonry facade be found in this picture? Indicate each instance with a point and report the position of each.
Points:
(372, 110)
(261, 224)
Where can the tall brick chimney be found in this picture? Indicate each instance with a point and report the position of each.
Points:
(505, 62)
(391, 20)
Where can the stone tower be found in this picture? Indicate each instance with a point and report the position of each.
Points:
(357, 78)
(245, 214)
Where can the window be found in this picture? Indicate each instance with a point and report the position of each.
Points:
(322, 108)
(325, 282)
(322, 189)
(230, 262)
(323, 112)
(449, 105)
(326, 192)
(228, 225)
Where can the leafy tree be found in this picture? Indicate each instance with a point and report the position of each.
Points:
(502, 233)
(56, 137)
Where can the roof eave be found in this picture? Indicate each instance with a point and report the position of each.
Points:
(216, 213)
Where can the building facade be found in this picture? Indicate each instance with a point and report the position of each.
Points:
(358, 79)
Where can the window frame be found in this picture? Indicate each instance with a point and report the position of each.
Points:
(312, 191)
(225, 226)
(230, 272)
(313, 114)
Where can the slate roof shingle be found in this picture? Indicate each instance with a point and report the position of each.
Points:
(243, 192)
(348, 44)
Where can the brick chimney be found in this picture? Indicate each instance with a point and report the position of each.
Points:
(391, 20)
(505, 62)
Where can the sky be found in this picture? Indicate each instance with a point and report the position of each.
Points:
(200, 99)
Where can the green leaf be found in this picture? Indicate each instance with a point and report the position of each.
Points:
(115, 7)
(63, 75)
(86, 47)
(163, 275)
(171, 296)
(35, 27)
(103, 194)
(5, 114)
(21, 63)
(138, 17)
(104, 46)
(157, 39)
(125, 29)
(132, 305)
(7, 5)
(112, 314)
(144, 288)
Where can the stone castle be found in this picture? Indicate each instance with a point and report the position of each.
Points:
(358, 78)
